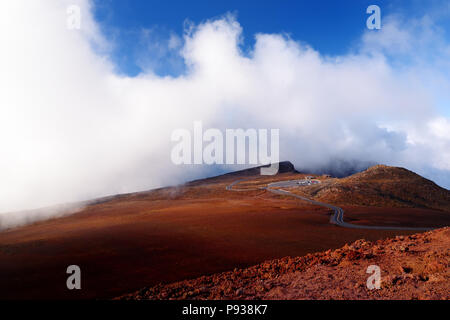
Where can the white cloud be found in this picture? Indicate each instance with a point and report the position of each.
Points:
(72, 129)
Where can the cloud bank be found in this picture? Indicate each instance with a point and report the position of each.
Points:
(72, 128)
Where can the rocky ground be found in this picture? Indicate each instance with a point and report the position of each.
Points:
(412, 267)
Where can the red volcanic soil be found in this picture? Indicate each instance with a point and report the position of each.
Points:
(169, 235)
(396, 217)
(411, 267)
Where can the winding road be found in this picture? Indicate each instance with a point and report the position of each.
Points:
(337, 218)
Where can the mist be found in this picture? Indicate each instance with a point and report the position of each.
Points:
(72, 128)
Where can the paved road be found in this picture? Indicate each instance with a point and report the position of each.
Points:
(337, 218)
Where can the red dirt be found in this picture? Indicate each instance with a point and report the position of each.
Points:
(127, 243)
(401, 217)
(412, 267)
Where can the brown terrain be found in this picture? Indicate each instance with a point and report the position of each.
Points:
(411, 267)
(382, 186)
(172, 234)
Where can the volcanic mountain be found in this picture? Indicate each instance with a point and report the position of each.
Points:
(204, 227)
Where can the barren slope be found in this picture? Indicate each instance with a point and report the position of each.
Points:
(382, 186)
(165, 235)
(412, 267)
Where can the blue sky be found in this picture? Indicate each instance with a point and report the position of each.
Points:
(330, 27)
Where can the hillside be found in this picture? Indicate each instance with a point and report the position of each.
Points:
(382, 186)
(412, 267)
